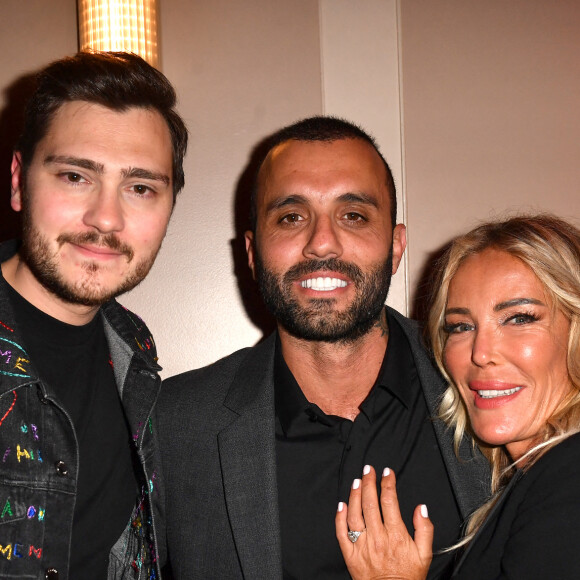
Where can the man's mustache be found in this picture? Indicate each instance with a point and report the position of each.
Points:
(106, 241)
(352, 271)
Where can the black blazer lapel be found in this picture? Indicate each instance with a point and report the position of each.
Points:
(248, 461)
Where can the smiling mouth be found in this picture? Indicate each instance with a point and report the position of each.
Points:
(323, 284)
(492, 394)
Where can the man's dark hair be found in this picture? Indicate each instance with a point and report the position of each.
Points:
(116, 80)
(321, 128)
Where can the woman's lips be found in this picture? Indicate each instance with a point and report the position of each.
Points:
(493, 394)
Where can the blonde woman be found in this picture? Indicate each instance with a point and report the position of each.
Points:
(505, 331)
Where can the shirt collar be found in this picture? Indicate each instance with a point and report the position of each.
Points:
(290, 402)
(398, 369)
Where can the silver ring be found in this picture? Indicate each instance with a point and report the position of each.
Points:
(353, 536)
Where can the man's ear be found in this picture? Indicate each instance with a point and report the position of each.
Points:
(249, 236)
(399, 245)
(17, 181)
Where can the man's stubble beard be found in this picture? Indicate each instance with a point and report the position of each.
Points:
(317, 321)
(88, 291)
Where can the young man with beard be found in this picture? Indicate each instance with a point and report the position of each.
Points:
(95, 174)
(260, 447)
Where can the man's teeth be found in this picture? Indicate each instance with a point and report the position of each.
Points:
(492, 394)
(323, 284)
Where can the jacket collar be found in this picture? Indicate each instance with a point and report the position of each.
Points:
(133, 332)
(253, 384)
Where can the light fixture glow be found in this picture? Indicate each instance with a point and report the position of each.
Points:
(119, 25)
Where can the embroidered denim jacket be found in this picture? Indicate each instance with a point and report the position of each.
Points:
(39, 454)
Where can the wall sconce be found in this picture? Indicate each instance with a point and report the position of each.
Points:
(119, 25)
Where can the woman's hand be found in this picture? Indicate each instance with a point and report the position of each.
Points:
(384, 549)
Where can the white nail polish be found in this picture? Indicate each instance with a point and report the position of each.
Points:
(386, 472)
(356, 484)
(340, 506)
(424, 511)
(366, 469)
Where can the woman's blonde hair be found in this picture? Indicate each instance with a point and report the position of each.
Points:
(550, 247)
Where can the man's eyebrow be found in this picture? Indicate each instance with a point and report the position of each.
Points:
(99, 168)
(517, 302)
(76, 161)
(363, 198)
(281, 202)
(146, 174)
(300, 199)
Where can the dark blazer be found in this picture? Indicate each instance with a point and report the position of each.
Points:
(533, 532)
(217, 432)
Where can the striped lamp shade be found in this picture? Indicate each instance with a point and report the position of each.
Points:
(119, 25)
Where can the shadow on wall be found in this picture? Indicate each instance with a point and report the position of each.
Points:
(15, 96)
(426, 285)
(247, 287)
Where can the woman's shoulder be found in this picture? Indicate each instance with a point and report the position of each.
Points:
(566, 451)
(558, 468)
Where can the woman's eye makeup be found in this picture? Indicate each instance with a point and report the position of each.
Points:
(456, 327)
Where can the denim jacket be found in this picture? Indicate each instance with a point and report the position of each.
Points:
(39, 454)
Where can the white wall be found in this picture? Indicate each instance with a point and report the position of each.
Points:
(492, 117)
(31, 35)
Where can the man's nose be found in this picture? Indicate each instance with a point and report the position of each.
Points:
(104, 211)
(324, 240)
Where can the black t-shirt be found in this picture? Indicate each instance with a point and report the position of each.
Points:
(319, 455)
(74, 362)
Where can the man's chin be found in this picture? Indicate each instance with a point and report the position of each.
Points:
(339, 337)
(329, 329)
(93, 291)
(94, 284)
(84, 296)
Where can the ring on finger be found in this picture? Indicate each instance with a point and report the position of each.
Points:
(353, 535)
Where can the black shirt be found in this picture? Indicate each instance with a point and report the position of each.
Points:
(319, 455)
(75, 362)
